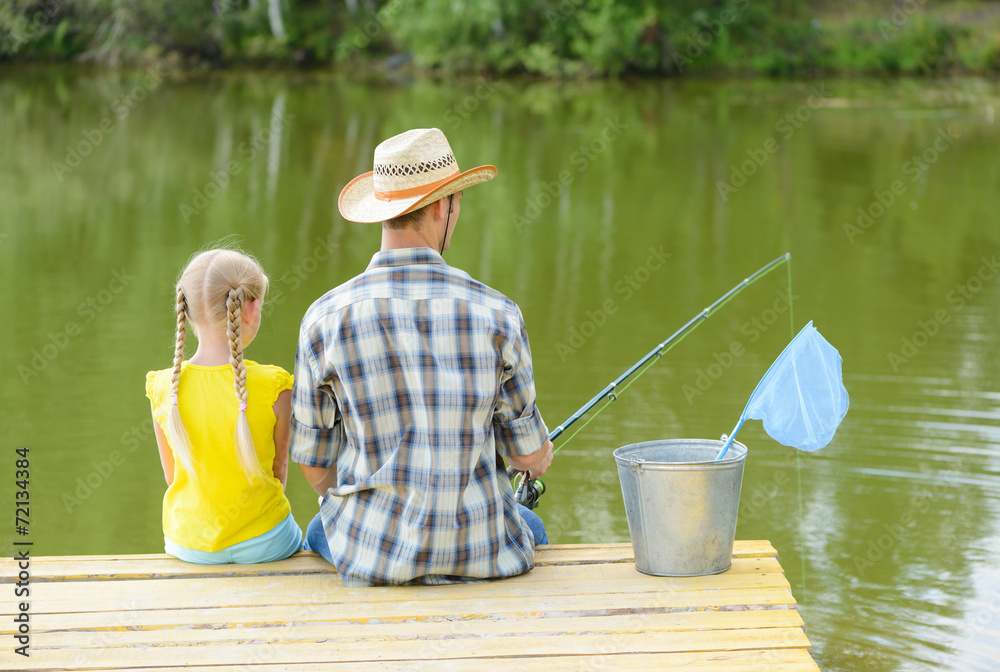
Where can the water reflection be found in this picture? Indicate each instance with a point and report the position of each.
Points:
(888, 536)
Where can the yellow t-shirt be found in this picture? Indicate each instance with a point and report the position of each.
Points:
(221, 507)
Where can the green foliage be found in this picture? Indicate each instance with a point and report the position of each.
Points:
(613, 37)
(450, 35)
(920, 46)
(547, 37)
(241, 30)
(31, 29)
(186, 26)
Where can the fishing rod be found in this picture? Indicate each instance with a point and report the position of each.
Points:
(529, 490)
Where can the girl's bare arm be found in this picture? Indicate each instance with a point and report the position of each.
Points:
(282, 430)
(166, 455)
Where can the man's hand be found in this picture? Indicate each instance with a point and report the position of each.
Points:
(536, 463)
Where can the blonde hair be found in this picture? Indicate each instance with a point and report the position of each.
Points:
(211, 293)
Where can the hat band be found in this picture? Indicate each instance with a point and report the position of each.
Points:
(414, 191)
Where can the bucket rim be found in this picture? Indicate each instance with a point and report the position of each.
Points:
(736, 456)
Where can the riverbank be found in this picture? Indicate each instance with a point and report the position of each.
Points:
(558, 39)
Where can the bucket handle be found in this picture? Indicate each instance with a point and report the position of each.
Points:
(635, 463)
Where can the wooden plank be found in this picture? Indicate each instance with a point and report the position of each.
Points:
(617, 571)
(253, 652)
(751, 660)
(285, 590)
(583, 606)
(582, 554)
(609, 552)
(289, 589)
(362, 630)
(170, 570)
(146, 566)
(129, 615)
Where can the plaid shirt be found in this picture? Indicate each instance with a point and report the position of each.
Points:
(409, 379)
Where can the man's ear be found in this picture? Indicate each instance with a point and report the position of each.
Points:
(441, 208)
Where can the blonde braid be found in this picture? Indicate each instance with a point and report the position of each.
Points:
(234, 308)
(246, 454)
(179, 441)
(181, 308)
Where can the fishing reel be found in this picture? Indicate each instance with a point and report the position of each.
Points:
(528, 491)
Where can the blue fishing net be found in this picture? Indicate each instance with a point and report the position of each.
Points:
(802, 399)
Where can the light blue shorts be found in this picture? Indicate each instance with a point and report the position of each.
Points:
(277, 543)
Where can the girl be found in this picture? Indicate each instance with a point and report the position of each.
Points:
(222, 423)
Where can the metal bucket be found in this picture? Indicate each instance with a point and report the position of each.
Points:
(681, 504)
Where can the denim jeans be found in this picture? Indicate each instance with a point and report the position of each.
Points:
(316, 535)
(534, 522)
(277, 543)
(316, 539)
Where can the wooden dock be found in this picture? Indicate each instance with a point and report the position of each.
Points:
(584, 607)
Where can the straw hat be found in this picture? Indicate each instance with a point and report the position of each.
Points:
(412, 169)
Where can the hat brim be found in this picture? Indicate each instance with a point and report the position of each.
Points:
(357, 202)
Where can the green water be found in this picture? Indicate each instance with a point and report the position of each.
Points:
(889, 536)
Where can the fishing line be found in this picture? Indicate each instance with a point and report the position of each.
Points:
(798, 455)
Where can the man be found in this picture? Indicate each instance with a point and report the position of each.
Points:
(410, 380)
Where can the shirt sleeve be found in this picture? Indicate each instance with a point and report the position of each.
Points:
(282, 381)
(155, 396)
(317, 425)
(516, 419)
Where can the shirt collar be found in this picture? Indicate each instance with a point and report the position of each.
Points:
(405, 257)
